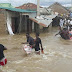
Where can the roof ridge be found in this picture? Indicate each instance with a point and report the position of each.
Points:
(27, 4)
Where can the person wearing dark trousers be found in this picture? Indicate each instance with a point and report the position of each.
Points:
(3, 60)
(37, 43)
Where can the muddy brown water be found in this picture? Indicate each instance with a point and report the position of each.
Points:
(57, 57)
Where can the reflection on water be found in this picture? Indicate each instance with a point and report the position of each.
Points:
(57, 57)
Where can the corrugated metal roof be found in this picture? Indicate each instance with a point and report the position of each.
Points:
(45, 21)
(16, 10)
(38, 22)
(6, 5)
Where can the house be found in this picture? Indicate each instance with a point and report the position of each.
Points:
(24, 20)
(3, 29)
(41, 22)
(44, 21)
(32, 6)
(56, 7)
(28, 6)
(17, 20)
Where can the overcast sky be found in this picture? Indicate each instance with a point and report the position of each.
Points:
(42, 2)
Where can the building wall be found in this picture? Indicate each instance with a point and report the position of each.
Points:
(2, 24)
(6, 19)
(12, 21)
(13, 14)
(24, 24)
(32, 15)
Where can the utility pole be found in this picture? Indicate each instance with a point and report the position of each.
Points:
(71, 3)
(38, 6)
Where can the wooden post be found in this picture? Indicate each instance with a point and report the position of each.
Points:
(20, 22)
(25, 24)
(32, 26)
(71, 3)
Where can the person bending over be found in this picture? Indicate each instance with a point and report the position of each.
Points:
(3, 60)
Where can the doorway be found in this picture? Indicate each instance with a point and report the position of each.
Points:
(29, 24)
(15, 24)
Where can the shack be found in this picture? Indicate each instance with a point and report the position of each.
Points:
(21, 20)
(41, 22)
(17, 20)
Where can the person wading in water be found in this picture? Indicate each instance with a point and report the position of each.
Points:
(3, 60)
(37, 42)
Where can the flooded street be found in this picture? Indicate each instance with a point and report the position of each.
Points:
(57, 57)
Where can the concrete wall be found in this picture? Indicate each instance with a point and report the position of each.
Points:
(10, 21)
(13, 14)
(32, 15)
(2, 24)
(4, 19)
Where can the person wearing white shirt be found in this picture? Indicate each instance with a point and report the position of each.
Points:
(71, 22)
(61, 23)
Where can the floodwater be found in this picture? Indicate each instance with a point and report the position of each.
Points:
(57, 57)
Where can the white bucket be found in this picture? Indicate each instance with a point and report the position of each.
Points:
(27, 49)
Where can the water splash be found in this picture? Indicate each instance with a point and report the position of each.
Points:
(44, 56)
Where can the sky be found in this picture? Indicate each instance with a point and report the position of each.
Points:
(42, 2)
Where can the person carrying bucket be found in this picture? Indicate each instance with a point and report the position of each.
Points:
(27, 46)
(30, 40)
(3, 60)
